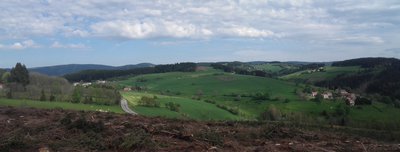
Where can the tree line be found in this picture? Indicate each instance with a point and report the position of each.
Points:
(368, 62)
(91, 75)
(238, 70)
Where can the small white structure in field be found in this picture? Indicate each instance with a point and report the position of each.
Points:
(314, 94)
(127, 89)
(343, 92)
(327, 95)
(76, 84)
(1, 86)
(101, 82)
(351, 99)
(86, 84)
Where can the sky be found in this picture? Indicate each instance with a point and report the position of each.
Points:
(119, 32)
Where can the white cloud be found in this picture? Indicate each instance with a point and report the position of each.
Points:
(57, 44)
(248, 32)
(20, 45)
(360, 40)
(124, 29)
(300, 20)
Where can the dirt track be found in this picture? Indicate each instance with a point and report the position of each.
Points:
(59, 130)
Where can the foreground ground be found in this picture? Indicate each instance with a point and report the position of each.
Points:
(26, 129)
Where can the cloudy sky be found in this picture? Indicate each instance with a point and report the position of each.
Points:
(118, 32)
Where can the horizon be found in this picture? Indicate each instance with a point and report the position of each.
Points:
(177, 62)
(115, 33)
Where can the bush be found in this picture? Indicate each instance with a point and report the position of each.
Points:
(212, 137)
(234, 111)
(84, 125)
(210, 101)
(42, 96)
(136, 140)
(52, 98)
(173, 106)
(286, 100)
(148, 102)
(363, 101)
(272, 114)
(261, 96)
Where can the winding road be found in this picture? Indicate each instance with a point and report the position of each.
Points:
(125, 107)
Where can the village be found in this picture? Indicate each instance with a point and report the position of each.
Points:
(349, 98)
(87, 84)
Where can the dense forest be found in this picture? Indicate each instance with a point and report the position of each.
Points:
(91, 75)
(246, 69)
(368, 62)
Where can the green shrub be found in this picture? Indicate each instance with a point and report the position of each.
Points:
(173, 106)
(234, 110)
(211, 136)
(148, 102)
(210, 101)
(84, 125)
(272, 114)
(136, 140)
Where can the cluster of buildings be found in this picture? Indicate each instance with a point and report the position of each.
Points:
(350, 98)
(321, 69)
(87, 84)
(136, 88)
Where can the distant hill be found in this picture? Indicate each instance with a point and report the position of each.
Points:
(60, 70)
(368, 62)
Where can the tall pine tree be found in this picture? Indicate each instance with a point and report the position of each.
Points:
(20, 74)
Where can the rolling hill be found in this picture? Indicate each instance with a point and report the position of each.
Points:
(60, 70)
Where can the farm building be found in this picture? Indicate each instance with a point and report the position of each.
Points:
(314, 94)
(327, 95)
(127, 89)
(351, 99)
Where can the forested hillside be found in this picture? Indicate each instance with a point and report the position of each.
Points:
(91, 75)
(60, 70)
(380, 76)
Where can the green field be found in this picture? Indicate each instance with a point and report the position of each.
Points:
(191, 109)
(223, 88)
(62, 105)
(273, 67)
(210, 84)
(329, 73)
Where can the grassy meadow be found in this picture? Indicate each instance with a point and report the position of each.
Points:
(192, 89)
(329, 73)
(189, 108)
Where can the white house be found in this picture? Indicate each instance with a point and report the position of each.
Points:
(1, 86)
(87, 84)
(314, 94)
(101, 82)
(327, 95)
(127, 89)
(351, 99)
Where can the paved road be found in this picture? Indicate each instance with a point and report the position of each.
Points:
(125, 107)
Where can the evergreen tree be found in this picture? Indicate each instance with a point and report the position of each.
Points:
(52, 97)
(43, 96)
(76, 96)
(9, 94)
(318, 98)
(19, 74)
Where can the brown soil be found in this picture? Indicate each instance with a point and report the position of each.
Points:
(60, 130)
